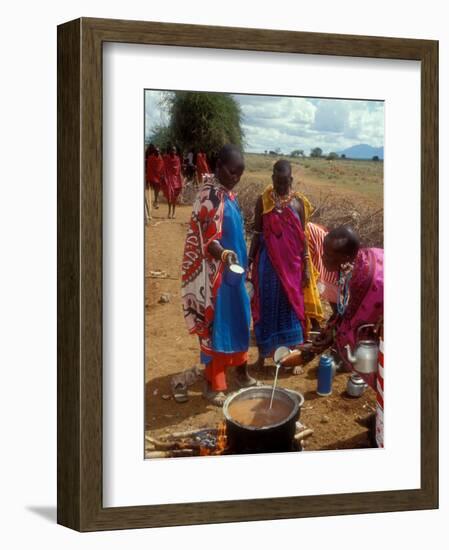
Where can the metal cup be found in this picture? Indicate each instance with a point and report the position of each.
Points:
(233, 274)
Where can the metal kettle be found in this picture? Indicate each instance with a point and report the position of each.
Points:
(365, 356)
(356, 386)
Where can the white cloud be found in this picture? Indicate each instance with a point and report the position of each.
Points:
(331, 116)
(291, 123)
(155, 112)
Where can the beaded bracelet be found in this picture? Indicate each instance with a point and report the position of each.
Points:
(225, 254)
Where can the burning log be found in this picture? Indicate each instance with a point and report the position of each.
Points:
(192, 433)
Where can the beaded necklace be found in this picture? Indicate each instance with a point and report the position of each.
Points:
(281, 201)
(344, 278)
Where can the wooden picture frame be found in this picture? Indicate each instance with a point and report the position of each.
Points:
(80, 504)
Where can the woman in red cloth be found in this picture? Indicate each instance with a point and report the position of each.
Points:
(173, 180)
(202, 167)
(155, 173)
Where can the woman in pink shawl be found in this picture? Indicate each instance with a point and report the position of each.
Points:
(360, 290)
(285, 293)
(173, 180)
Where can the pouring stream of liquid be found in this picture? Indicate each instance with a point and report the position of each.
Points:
(278, 365)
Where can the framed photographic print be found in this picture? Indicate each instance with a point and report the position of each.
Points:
(247, 237)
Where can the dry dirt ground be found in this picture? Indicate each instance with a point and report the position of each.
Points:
(338, 421)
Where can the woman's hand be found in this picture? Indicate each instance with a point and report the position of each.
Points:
(232, 258)
(229, 257)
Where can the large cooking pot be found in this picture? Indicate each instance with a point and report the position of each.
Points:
(274, 438)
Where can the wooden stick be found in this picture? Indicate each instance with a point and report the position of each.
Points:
(190, 433)
(172, 445)
(163, 445)
(304, 434)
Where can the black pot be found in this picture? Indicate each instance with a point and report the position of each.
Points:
(275, 438)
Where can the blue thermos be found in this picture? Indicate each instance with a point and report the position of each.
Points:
(325, 376)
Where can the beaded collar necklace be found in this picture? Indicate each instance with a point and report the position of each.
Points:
(281, 201)
(344, 278)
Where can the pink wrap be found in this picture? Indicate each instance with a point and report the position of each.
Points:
(284, 239)
(366, 301)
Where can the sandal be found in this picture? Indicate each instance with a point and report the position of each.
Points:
(180, 393)
(216, 398)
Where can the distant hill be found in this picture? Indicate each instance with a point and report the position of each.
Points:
(362, 151)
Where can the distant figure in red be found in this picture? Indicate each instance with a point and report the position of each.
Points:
(173, 180)
(202, 167)
(155, 173)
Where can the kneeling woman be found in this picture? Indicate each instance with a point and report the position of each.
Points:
(218, 312)
(360, 291)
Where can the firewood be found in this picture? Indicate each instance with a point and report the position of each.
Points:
(190, 433)
(182, 452)
(304, 434)
(162, 445)
(159, 445)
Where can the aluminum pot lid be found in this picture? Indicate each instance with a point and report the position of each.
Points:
(356, 380)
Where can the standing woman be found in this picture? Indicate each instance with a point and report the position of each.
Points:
(155, 173)
(173, 180)
(218, 312)
(286, 302)
(202, 167)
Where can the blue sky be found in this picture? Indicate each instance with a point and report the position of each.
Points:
(292, 123)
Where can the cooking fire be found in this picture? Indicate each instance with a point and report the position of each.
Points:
(206, 442)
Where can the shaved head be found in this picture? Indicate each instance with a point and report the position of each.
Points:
(230, 165)
(282, 167)
(282, 177)
(344, 240)
(340, 246)
(227, 152)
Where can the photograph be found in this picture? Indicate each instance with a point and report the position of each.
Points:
(226, 196)
(264, 273)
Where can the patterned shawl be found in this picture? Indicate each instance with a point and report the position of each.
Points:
(201, 273)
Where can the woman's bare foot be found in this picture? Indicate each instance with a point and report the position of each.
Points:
(297, 370)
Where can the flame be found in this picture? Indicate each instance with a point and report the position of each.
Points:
(222, 439)
(220, 445)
